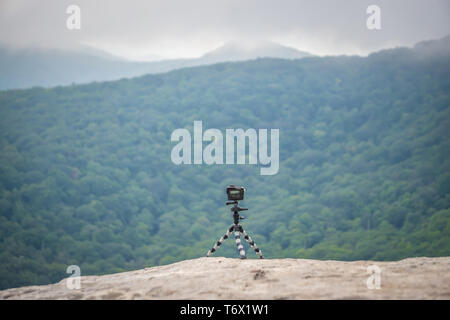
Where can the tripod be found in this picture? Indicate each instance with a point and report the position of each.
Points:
(237, 229)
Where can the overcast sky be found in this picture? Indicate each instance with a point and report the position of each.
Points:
(189, 28)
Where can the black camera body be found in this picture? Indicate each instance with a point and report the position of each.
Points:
(235, 193)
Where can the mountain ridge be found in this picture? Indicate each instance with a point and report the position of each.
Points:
(22, 68)
(241, 51)
(25, 68)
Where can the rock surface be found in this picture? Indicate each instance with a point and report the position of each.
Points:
(226, 278)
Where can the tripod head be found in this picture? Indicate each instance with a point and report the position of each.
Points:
(236, 209)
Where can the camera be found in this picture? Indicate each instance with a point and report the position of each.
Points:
(235, 193)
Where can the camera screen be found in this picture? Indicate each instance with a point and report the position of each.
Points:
(235, 194)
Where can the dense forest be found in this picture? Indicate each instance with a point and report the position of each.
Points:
(86, 176)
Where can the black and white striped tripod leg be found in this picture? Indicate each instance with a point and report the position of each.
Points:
(252, 243)
(239, 245)
(221, 240)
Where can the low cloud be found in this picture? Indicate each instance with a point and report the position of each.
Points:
(183, 28)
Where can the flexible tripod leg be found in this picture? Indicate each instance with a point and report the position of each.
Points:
(221, 240)
(239, 245)
(251, 242)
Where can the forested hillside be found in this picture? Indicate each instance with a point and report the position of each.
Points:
(86, 176)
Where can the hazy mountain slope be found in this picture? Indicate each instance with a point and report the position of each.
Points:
(238, 51)
(234, 279)
(21, 68)
(86, 176)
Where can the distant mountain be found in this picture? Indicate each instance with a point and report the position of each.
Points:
(423, 49)
(239, 51)
(25, 68)
(22, 68)
(434, 47)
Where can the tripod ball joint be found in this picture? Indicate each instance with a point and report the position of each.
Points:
(235, 194)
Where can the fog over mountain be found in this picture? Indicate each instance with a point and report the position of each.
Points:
(180, 29)
(238, 51)
(25, 68)
(22, 68)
